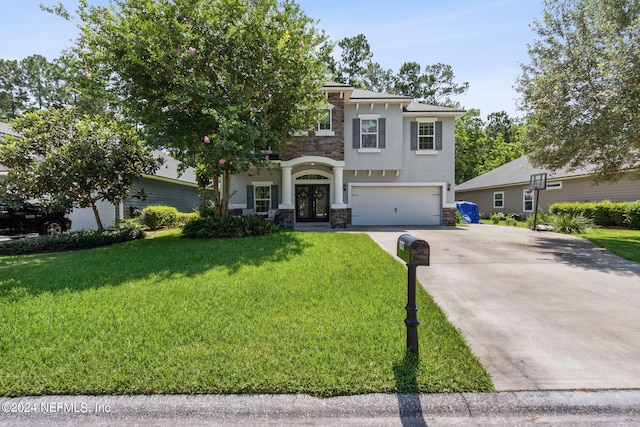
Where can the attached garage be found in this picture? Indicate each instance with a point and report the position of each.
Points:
(396, 205)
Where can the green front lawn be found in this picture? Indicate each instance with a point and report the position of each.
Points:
(622, 242)
(317, 313)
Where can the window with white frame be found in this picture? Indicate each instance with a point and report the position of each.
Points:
(262, 199)
(426, 135)
(369, 133)
(527, 200)
(325, 122)
(554, 185)
(498, 199)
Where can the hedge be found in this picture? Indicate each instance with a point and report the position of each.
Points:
(603, 214)
(85, 239)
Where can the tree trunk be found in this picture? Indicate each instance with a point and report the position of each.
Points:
(97, 215)
(226, 191)
(217, 203)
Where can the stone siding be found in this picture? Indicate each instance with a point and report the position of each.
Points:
(324, 146)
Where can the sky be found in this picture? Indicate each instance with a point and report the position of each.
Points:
(484, 41)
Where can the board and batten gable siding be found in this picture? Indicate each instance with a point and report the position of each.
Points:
(184, 198)
(579, 189)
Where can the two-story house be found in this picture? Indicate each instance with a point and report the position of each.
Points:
(374, 159)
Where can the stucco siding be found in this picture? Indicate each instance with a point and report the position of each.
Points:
(389, 157)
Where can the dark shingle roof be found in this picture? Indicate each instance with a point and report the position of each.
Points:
(518, 171)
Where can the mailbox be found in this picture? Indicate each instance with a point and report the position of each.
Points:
(413, 250)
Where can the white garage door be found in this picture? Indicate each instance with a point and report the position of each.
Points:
(395, 205)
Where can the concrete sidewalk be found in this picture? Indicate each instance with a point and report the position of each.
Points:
(459, 409)
(542, 310)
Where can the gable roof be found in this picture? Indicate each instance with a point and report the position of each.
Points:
(516, 172)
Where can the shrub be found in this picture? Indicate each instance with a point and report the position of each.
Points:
(570, 224)
(156, 217)
(511, 220)
(185, 218)
(497, 217)
(85, 239)
(228, 226)
(632, 215)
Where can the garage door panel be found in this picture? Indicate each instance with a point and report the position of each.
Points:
(395, 205)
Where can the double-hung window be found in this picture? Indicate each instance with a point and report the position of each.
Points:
(498, 199)
(262, 199)
(527, 200)
(426, 136)
(369, 133)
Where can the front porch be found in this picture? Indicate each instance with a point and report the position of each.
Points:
(313, 192)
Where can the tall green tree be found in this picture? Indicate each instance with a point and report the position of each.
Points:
(13, 97)
(581, 87)
(435, 85)
(355, 57)
(218, 81)
(69, 160)
(471, 141)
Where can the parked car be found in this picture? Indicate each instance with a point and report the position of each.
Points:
(29, 217)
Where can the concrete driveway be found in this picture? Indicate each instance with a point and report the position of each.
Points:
(542, 311)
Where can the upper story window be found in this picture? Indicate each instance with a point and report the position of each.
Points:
(369, 133)
(426, 136)
(325, 122)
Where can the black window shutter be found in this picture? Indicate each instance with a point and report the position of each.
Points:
(414, 136)
(356, 133)
(274, 197)
(250, 197)
(382, 140)
(438, 135)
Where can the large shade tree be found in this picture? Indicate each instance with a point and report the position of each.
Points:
(581, 88)
(218, 81)
(69, 160)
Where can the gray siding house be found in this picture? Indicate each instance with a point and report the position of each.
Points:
(506, 189)
(375, 159)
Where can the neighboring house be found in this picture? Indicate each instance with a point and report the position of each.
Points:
(506, 189)
(165, 187)
(374, 159)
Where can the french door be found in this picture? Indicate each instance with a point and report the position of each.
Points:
(312, 203)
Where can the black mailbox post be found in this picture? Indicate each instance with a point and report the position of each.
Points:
(414, 252)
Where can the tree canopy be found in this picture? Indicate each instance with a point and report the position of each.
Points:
(433, 84)
(218, 81)
(68, 160)
(581, 88)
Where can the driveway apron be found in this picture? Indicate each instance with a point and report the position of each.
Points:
(541, 310)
